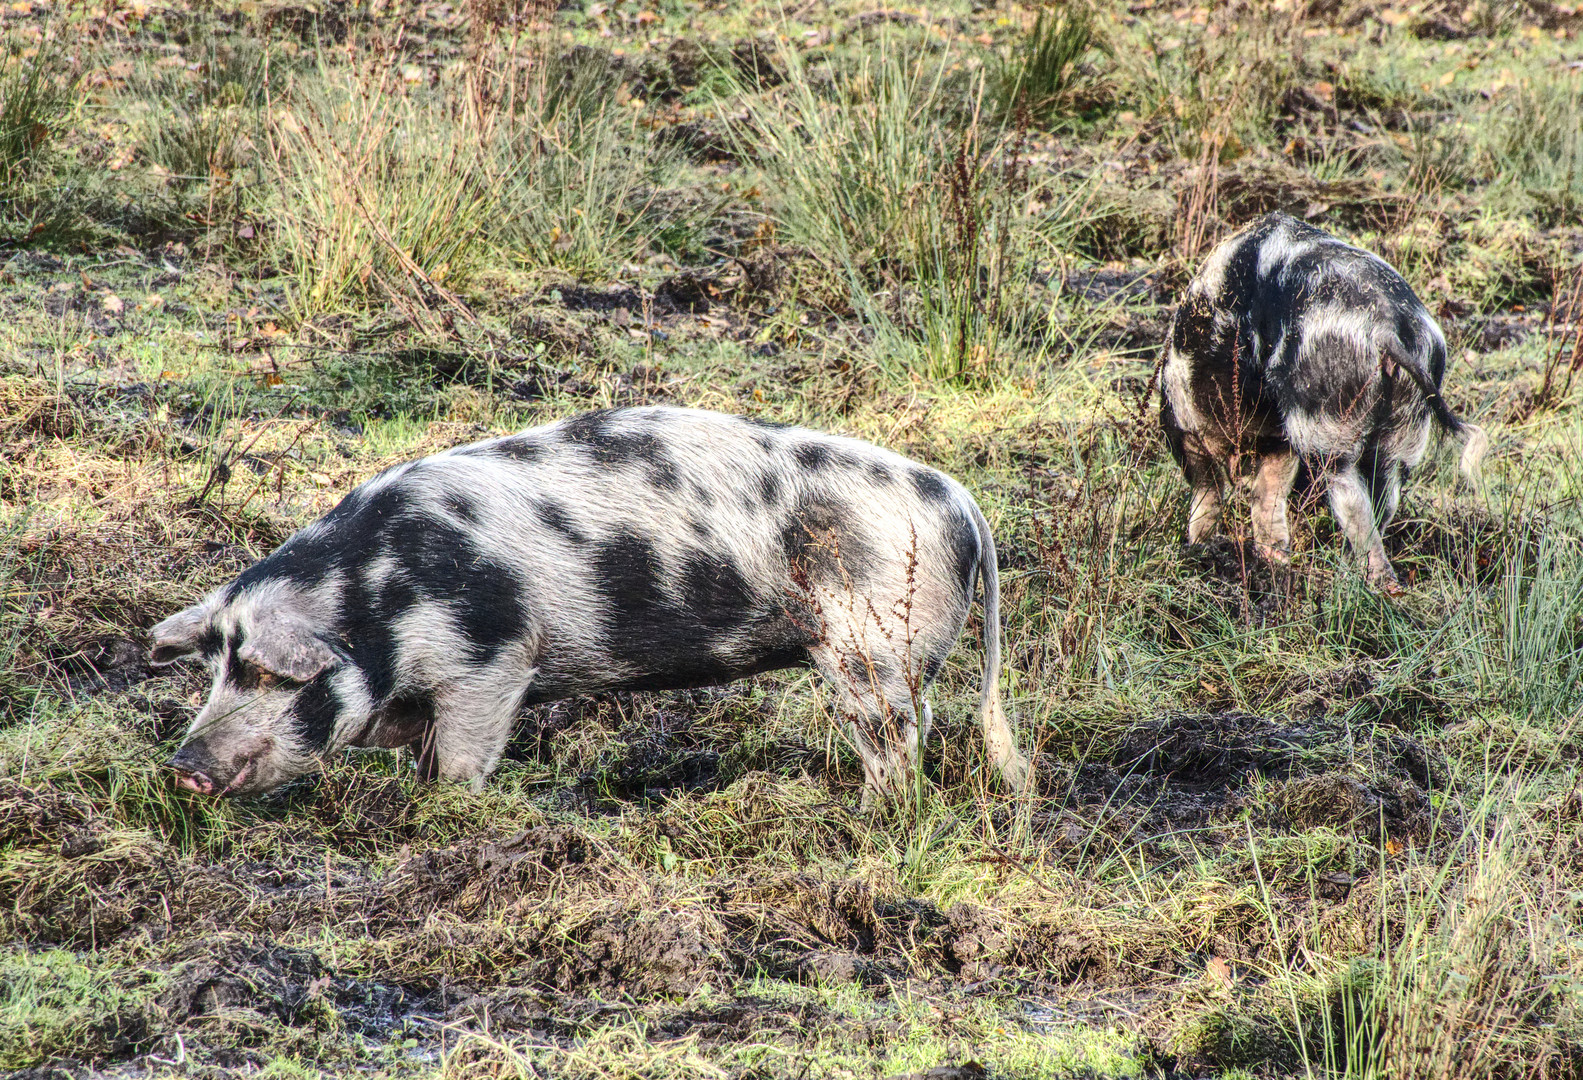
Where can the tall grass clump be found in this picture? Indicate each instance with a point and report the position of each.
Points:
(385, 191)
(1540, 606)
(201, 128)
(1087, 532)
(583, 172)
(38, 95)
(927, 219)
(1044, 79)
(1216, 85)
(53, 1004)
(400, 192)
(1476, 974)
(853, 157)
(1533, 147)
(16, 693)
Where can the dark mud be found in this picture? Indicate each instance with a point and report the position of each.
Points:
(1203, 775)
(556, 928)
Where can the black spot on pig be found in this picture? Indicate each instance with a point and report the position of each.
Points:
(341, 541)
(812, 456)
(435, 562)
(962, 538)
(711, 628)
(931, 486)
(560, 521)
(313, 712)
(817, 540)
(770, 489)
(211, 643)
(460, 506)
(714, 593)
(610, 446)
(365, 630)
(512, 448)
(438, 562)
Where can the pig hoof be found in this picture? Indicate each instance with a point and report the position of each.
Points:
(1014, 771)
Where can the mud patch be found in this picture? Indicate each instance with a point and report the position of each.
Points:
(479, 878)
(1241, 581)
(1347, 803)
(1227, 749)
(1218, 750)
(1206, 772)
(357, 812)
(1470, 539)
(48, 818)
(639, 953)
(291, 986)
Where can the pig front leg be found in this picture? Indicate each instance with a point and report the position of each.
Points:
(473, 721)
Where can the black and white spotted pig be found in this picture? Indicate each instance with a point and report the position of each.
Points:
(633, 549)
(1291, 346)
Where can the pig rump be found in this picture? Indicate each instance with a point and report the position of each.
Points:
(1291, 347)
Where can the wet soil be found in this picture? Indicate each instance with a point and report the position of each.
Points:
(533, 931)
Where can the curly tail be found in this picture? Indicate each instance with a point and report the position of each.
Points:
(999, 740)
(1475, 441)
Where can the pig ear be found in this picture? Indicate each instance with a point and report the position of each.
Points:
(287, 646)
(179, 635)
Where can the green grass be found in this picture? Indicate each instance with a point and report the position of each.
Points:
(51, 1001)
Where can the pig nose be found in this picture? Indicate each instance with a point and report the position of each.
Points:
(194, 762)
(195, 781)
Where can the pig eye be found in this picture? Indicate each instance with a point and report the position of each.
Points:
(253, 677)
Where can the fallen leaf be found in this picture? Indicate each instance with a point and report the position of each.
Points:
(112, 304)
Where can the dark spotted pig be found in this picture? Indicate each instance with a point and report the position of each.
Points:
(1291, 346)
(635, 549)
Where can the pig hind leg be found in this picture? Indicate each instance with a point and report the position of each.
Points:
(1204, 475)
(1353, 507)
(875, 697)
(1385, 488)
(1272, 483)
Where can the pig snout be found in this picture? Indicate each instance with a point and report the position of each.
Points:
(201, 770)
(196, 767)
